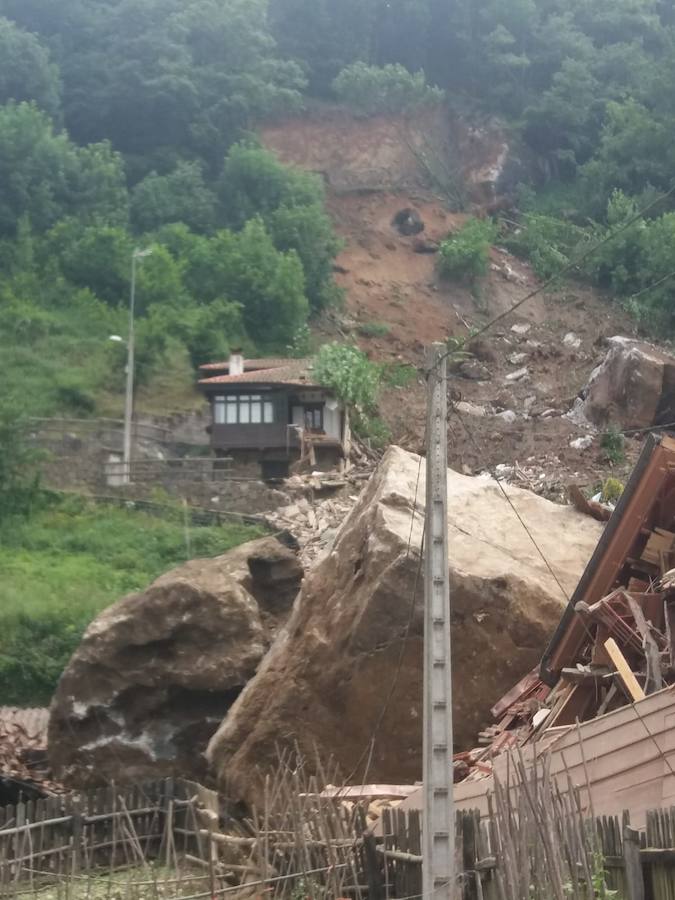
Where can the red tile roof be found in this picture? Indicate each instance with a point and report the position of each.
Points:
(293, 372)
(250, 365)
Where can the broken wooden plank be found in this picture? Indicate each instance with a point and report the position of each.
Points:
(524, 686)
(584, 674)
(624, 670)
(669, 612)
(651, 650)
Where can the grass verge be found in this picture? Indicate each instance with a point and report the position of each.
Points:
(62, 566)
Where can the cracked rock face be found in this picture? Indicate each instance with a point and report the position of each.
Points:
(342, 653)
(156, 672)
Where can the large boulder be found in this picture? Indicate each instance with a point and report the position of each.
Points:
(347, 667)
(157, 671)
(634, 387)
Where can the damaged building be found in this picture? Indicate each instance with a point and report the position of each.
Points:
(602, 700)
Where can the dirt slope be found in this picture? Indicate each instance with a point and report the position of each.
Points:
(395, 305)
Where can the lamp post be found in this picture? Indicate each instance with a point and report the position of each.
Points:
(129, 399)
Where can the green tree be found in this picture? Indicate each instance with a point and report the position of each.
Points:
(253, 182)
(634, 152)
(323, 36)
(387, 89)
(45, 177)
(356, 381)
(26, 71)
(179, 196)
(292, 205)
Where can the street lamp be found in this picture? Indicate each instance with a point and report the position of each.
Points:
(129, 400)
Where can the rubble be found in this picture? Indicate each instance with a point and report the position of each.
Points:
(313, 518)
(517, 359)
(521, 328)
(24, 768)
(519, 375)
(616, 641)
(572, 341)
(582, 443)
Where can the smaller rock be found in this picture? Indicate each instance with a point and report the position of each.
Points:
(521, 328)
(519, 375)
(473, 370)
(572, 341)
(517, 359)
(471, 409)
(582, 443)
(549, 413)
(504, 471)
(425, 245)
(507, 416)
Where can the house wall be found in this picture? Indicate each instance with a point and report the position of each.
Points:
(288, 410)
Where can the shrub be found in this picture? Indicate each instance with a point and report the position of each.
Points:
(613, 443)
(356, 382)
(374, 329)
(548, 243)
(612, 490)
(387, 89)
(467, 253)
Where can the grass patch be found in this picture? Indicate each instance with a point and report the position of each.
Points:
(65, 564)
(374, 329)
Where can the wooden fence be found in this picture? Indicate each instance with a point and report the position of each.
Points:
(636, 865)
(538, 848)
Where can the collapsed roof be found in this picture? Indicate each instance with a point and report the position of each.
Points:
(615, 643)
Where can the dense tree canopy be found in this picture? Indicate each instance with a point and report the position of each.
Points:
(127, 123)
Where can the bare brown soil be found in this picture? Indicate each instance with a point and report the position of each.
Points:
(396, 304)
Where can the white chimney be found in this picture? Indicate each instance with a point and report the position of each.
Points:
(236, 363)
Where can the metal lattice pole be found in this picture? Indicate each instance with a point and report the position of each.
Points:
(439, 835)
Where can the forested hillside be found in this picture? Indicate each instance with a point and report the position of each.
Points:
(131, 123)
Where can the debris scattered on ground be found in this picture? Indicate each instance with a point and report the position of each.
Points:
(24, 768)
(582, 443)
(572, 341)
(594, 508)
(518, 375)
(321, 503)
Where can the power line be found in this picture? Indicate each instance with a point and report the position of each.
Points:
(573, 264)
(652, 287)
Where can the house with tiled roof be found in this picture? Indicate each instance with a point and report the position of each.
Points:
(272, 412)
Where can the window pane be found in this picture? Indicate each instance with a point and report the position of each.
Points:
(219, 411)
(256, 413)
(244, 411)
(269, 413)
(244, 398)
(231, 416)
